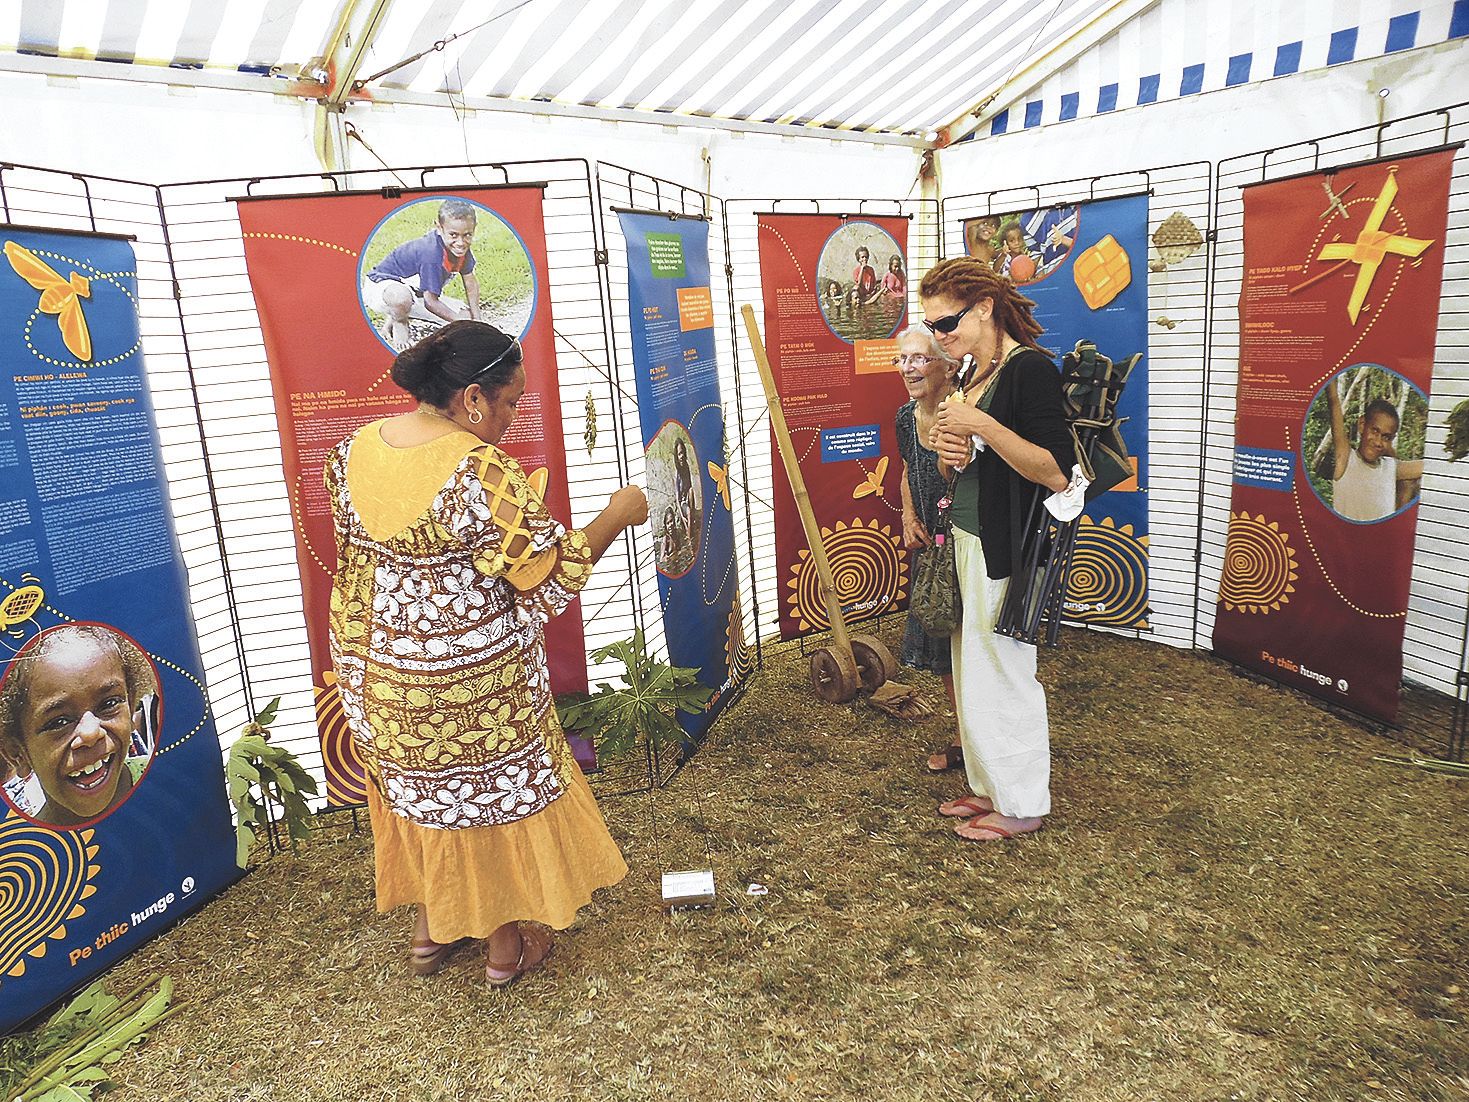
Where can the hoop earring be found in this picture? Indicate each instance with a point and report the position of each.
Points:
(475, 417)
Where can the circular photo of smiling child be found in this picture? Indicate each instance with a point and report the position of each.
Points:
(1362, 443)
(433, 261)
(79, 718)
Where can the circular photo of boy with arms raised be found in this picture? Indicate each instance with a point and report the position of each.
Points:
(1362, 443)
(79, 718)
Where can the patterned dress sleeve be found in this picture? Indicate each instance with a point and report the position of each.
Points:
(334, 475)
(493, 510)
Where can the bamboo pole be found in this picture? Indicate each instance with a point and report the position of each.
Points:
(839, 635)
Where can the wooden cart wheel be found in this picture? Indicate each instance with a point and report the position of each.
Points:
(875, 663)
(834, 680)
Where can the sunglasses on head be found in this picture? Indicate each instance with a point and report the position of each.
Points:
(514, 347)
(949, 324)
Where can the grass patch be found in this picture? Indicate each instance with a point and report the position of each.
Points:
(1232, 901)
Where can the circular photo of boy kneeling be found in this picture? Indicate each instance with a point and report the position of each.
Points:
(79, 718)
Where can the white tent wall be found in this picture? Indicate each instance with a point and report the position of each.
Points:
(1192, 429)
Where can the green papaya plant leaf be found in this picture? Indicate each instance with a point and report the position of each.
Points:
(641, 713)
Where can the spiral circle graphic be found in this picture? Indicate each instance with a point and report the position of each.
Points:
(739, 659)
(1108, 581)
(44, 876)
(869, 571)
(346, 779)
(1259, 566)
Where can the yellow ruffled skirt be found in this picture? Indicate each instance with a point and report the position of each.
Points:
(543, 868)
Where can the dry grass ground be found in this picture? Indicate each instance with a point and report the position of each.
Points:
(1233, 900)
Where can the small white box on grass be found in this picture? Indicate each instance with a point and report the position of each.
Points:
(692, 888)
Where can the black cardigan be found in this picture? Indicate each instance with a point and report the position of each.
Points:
(1027, 399)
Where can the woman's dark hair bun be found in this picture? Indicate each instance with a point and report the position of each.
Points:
(442, 364)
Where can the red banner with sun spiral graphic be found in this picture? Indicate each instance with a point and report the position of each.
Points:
(1338, 322)
(345, 281)
(836, 296)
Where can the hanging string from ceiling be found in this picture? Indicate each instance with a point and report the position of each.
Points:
(358, 85)
(1024, 55)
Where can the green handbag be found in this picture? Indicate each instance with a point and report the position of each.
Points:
(934, 599)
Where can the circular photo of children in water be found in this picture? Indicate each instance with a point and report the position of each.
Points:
(675, 500)
(1362, 443)
(433, 261)
(80, 712)
(862, 282)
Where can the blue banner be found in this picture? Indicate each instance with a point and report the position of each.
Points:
(114, 823)
(671, 311)
(1086, 268)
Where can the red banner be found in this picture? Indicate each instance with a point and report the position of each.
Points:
(341, 282)
(836, 296)
(1338, 319)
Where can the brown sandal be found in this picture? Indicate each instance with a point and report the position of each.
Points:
(427, 957)
(535, 947)
(952, 755)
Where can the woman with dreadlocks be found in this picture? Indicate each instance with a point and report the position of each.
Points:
(1001, 436)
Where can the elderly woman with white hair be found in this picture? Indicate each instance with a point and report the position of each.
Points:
(928, 373)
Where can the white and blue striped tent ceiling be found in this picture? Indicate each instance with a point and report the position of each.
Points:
(915, 67)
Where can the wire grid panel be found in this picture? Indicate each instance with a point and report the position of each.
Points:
(243, 436)
(62, 200)
(1436, 623)
(1174, 361)
(623, 189)
(759, 455)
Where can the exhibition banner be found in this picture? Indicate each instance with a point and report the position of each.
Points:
(1338, 320)
(836, 297)
(1085, 267)
(671, 312)
(115, 822)
(342, 283)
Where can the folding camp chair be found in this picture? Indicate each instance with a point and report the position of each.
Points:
(1091, 386)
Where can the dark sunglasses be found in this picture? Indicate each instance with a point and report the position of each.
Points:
(513, 347)
(949, 324)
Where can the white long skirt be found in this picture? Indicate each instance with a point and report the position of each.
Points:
(1001, 705)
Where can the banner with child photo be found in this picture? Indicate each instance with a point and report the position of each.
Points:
(1338, 323)
(1085, 266)
(836, 298)
(113, 818)
(670, 310)
(345, 281)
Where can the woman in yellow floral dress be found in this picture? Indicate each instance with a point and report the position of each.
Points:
(448, 567)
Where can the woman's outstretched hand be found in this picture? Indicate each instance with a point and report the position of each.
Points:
(629, 505)
(626, 507)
